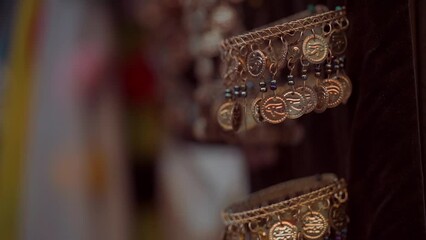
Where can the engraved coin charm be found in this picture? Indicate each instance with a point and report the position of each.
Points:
(273, 109)
(237, 116)
(314, 225)
(256, 63)
(338, 43)
(335, 92)
(296, 104)
(315, 49)
(347, 87)
(310, 97)
(283, 231)
(255, 110)
(322, 99)
(224, 116)
(338, 217)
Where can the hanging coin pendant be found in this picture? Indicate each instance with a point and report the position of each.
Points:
(314, 225)
(338, 217)
(338, 42)
(295, 102)
(255, 110)
(315, 49)
(273, 110)
(256, 63)
(283, 231)
(335, 92)
(237, 115)
(347, 87)
(310, 97)
(224, 116)
(322, 98)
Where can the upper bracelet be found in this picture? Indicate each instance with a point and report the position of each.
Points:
(285, 29)
(309, 51)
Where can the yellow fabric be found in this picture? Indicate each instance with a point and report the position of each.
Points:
(15, 115)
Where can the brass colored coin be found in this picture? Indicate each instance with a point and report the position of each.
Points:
(338, 217)
(295, 102)
(237, 116)
(338, 42)
(314, 225)
(256, 63)
(224, 116)
(335, 92)
(274, 109)
(322, 97)
(347, 86)
(315, 49)
(255, 110)
(310, 97)
(283, 231)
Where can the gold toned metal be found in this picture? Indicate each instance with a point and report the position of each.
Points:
(274, 109)
(338, 217)
(283, 231)
(335, 92)
(283, 29)
(315, 48)
(256, 63)
(338, 42)
(237, 115)
(314, 225)
(224, 115)
(295, 102)
(310, 97)
(347, 86)
(322, 97)
(255, 110)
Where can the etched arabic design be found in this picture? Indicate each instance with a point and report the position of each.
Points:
(314, 225)
(283, 231)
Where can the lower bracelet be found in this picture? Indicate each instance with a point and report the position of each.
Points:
(306, 208)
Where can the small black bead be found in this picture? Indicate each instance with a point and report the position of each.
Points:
(262, 84)
(342, 59)
(337, 61)
(304, 76)
(273, 81)
(290, 77)
(228, 95)
(273, 87)
(263, 89)
(236, 93)
(328, 65)
(243, 94)
(329, 71)
(236, 88)
(317, 74)
(243, 87)
(342, 65)
(228, 90)
(304, 71)
(336, 66)
(291, 82)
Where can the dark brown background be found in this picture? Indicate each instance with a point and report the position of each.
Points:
(375, 141)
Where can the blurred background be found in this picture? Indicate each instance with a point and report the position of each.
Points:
(106, 127)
